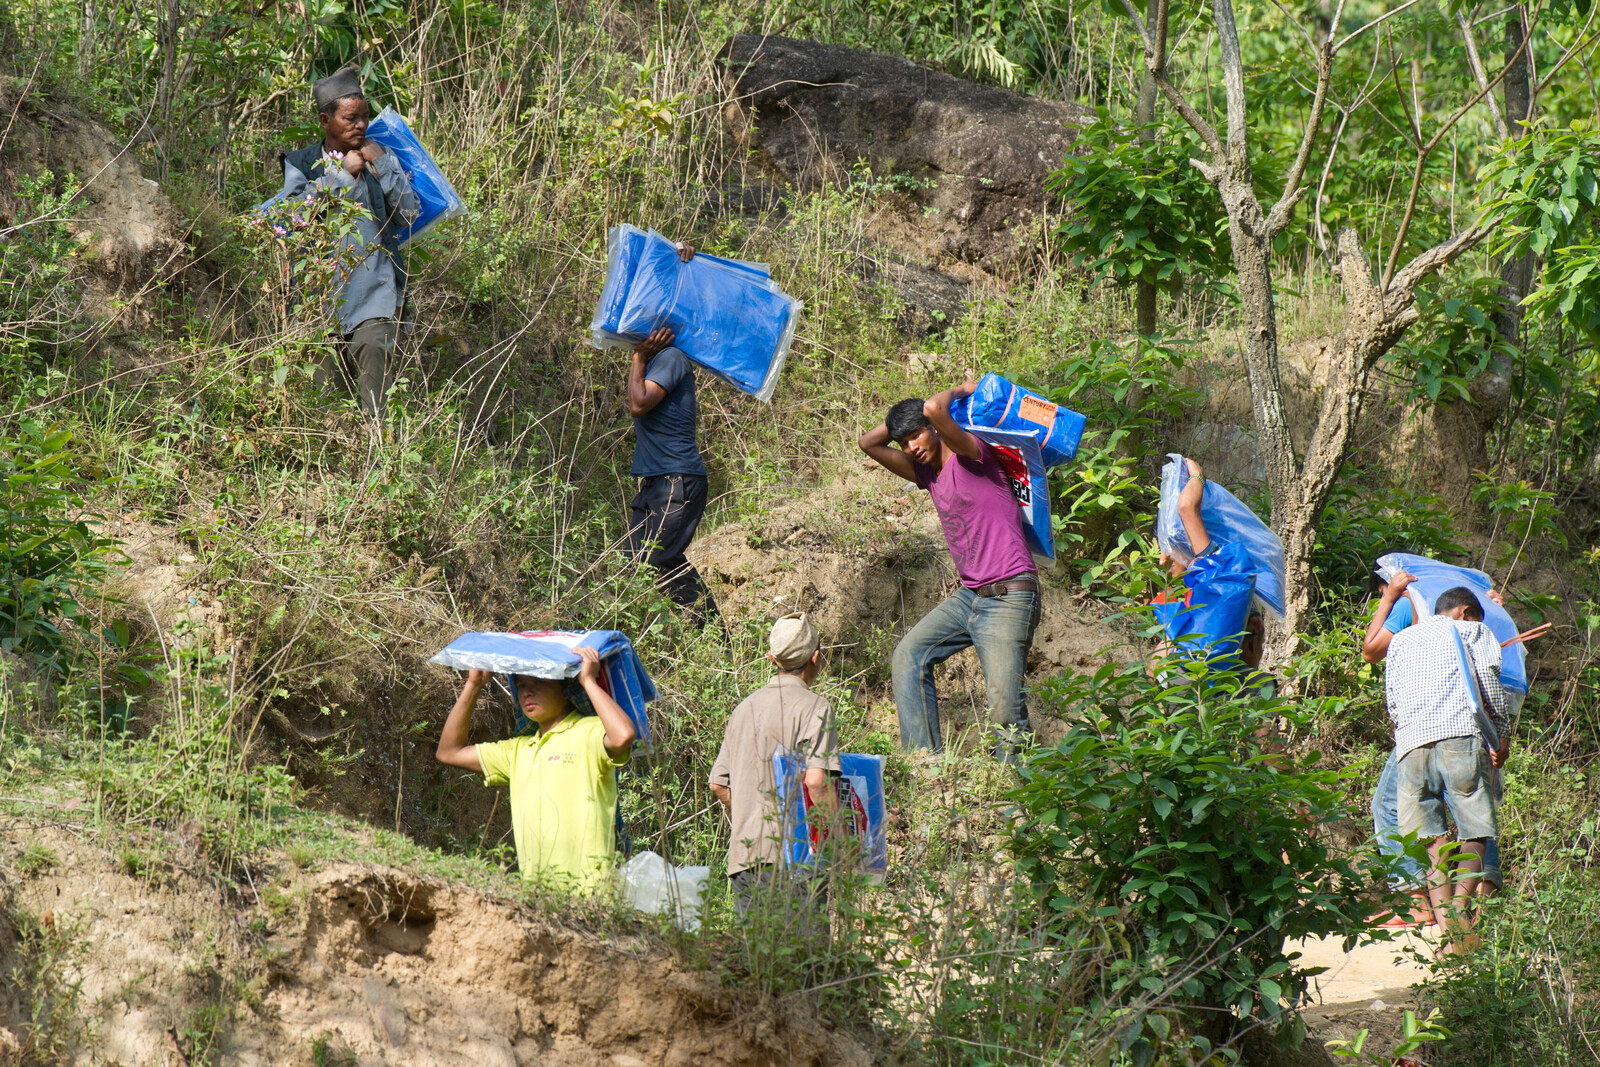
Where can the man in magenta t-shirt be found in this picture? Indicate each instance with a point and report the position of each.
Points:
(996, 609)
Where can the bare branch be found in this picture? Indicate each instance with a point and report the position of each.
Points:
(1375, 22)
(1196, 122)
(1443, 254)
(1138, 25)
(1422, 157)
(1283, 211)
(1478, 72)
(1574, 50)
(1232, 76)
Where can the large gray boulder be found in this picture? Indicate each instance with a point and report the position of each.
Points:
(978, 156)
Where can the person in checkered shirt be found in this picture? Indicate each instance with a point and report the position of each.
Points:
(1451, 730)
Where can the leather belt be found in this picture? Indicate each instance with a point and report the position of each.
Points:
(1023, 584)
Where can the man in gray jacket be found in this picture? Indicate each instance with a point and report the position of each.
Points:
(369, 303)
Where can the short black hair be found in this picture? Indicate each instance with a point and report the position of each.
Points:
(1451, 599)
(905, 419)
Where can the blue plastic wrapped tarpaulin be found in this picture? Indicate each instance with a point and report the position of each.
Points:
(726, 315)
(438, 196)
(1210, 619)
(1020, 459)
(1433, 578)
(1229, 521)
(549, 654)
(859, 788)
(998, 403)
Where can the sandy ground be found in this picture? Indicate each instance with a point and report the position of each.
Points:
(1368, 988)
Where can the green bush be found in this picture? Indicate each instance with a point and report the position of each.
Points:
(1165, 807)
(51, 557)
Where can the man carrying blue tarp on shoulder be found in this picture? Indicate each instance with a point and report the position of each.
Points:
(995, 610)
(1216, 619)
(369, 302)
(666, 512)
(563, 778)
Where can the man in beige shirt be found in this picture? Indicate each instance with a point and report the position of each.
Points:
(783, 713)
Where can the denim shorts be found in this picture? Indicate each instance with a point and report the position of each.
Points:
(1457, 768)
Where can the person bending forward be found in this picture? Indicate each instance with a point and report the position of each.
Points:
(996, 608)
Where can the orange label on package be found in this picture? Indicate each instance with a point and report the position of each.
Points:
(1039, 412)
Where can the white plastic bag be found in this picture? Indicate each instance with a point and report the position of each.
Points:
(656, 887)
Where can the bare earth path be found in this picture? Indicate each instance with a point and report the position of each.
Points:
(1366, 989)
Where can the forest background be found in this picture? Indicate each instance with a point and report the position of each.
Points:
(1411, 189)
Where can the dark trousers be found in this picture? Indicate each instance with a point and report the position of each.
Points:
(662, 521)
(361, 362)
(800, 897)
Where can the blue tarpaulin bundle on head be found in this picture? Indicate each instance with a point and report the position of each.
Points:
(1210, 619)
(726, 315)
(1229, 521)
(1000, 404)
(433, 189)
(549, 654)
(1434, 578)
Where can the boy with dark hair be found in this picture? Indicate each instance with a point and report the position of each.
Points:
(1394, 612)
(1449, 713)
(563, 779)
(996, 608)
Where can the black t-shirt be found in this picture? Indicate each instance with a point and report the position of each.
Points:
(664, 437)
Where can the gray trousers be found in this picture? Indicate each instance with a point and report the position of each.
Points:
(362, 362)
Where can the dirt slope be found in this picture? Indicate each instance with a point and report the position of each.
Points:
(357, 965)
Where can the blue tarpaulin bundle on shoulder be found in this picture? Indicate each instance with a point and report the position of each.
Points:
(1229, 521)
(863, 808)
(726, 315)
(438, 196)
(1434, 578)
(1004, 406)
(549, 654)
(1210, 619)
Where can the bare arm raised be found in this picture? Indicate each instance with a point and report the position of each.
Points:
(937, 410)
(453, 750)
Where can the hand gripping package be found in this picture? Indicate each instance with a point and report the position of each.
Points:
(438, 196)
(858, 789)
(1229, 521)
(726, 315)
(1029, 434)
(549, 654)
(1433, 578)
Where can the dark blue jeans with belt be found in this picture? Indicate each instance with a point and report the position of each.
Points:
(1000, 628)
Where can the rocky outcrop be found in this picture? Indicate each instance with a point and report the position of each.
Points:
(973, 160)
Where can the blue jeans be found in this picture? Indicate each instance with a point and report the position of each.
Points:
(999, 627)
(1386, 828)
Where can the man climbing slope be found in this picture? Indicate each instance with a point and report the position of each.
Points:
(369, 302)
(996, 608)
(563, 778)
(665, 514)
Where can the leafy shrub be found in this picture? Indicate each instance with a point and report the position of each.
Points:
(51, 558)
(1164, 806)
(1141, 212)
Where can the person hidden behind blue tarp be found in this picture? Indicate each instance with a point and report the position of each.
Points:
(727, 315)
(1229, 521)
(548, 654)
(1210, 619)
(438, 196)
(862, 807)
